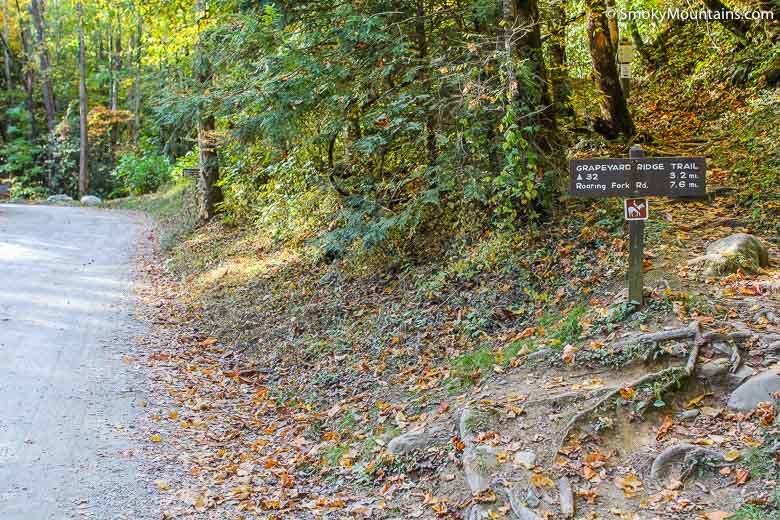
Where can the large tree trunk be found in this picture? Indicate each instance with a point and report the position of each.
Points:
(210, 193)
(614, 108)
(614, 29)
(36, 7)
(83, 140)
(523, 38)
(559, 73)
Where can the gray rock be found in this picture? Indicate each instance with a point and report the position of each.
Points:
(739, 250)
(90, 200)
(682, 456)
(479, 512)
(532, 498)
(466, 425)
(59, 198)
(516, 504)
(411, 441)
(480, 465)
(524, 458)
(755, 390)
(539, 355)
(713, 369)
(567, 497)
(688, 415)
(740, 376)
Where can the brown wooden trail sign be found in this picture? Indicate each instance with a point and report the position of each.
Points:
(637, 177)
(650, 176)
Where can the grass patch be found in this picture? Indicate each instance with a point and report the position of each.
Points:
(173, 208)
(755, 513)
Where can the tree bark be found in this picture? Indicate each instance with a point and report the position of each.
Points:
(422, 53)
(739, 28)
(83, 138)
(614, 109)
(559, 73)
(28, 73)
(528, 46)
(210, 194)
(6, 51)
(137, 95)
(614, 29)
(36, 10)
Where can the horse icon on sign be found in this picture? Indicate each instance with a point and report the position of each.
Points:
(636, 209)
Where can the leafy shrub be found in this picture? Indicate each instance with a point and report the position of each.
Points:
(140, 174)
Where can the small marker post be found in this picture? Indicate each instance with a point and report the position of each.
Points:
(636, 249)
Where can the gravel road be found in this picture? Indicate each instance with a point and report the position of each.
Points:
(70, 401)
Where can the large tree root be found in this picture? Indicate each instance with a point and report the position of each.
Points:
(670, 376)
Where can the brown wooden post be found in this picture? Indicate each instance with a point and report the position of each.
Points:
(636, 248)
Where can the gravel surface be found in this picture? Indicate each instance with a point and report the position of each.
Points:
(70, 401)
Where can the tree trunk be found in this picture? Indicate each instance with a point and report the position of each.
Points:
(6, 51)
(739, 28)
(137, 95)
(559, 73)
(29, 75)
(422, 53)
(529, 47)
(210, 193)
(36, 7)
(640, 45)
(83, 141)
(614, 109)
(614, 29)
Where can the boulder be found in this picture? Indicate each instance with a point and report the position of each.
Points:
(524, 459)
(756, 389)
(412, 441)
(90, 200)
(59, 198)
(480, 465)
(736, 251)
(682, 457)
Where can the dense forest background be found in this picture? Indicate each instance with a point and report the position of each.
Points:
(381, 119)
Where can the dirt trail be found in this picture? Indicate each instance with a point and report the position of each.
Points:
(69, 400)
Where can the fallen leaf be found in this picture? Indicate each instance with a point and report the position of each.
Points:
(627, 393)
(731, 455)
(664, 428)
(741, 476)
(539, 480)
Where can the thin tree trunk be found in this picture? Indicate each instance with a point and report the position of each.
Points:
(210, 193)
(137, 96)
(83, 141)
(28, 73)
(614, 108)
(422, 53)
(36, 10)
(6, 52)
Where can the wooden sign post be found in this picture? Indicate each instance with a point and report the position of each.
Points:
(636, 250)
(634, 179)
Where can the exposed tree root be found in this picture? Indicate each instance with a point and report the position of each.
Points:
(671, 376)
